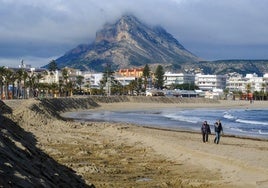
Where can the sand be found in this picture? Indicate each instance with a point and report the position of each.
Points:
(125, 155)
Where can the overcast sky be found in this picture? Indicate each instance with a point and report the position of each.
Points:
(38, 31)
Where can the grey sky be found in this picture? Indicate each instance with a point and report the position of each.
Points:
(39, 31)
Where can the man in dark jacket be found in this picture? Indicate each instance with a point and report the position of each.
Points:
(205, 130)
(218, 129)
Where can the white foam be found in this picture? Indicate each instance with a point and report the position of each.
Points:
(251, 122)
(227, 115)
(261, 132)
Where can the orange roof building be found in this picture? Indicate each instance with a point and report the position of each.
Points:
(134, 72)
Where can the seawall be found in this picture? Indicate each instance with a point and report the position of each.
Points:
(75, 103)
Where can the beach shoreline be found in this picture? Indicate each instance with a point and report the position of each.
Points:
(110, 154)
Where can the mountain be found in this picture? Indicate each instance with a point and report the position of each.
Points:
(128, 43)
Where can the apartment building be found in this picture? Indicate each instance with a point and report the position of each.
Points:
(72, 74)
(133, 72)
(178, 78)
(210, 82)
(251, 82)
(92, 80)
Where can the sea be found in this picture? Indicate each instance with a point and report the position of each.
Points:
(251, 123)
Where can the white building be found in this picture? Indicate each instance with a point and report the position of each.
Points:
(50, 77)
(92, 80)
(125, 80)
(210, 82)
(178, 78)
(250, 82)
(236, 82)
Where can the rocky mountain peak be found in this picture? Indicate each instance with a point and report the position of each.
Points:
(118, 31)
(128, 43)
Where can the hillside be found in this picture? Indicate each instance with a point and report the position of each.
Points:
(243, 67)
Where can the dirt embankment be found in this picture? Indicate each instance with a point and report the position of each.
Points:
(38, 149)
(22, 163)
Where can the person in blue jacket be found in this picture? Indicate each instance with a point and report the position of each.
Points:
(218, 130)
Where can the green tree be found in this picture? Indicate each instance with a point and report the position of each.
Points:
(79, 82)
(226, 92)
(132, 87)
(139, 85)
(146, 75)
(66, 85)
(159, 77)
(52, 66)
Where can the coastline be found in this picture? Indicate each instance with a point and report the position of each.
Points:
(124, 155)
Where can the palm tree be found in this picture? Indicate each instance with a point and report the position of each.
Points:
(19, 78)
(13, 80)
(7, 79)
(24, 77)
(39, 76)
(248, 89)
(263, 85)
(32, 84)
(69, 88)
(54, 87)
(61, 89)
(2, 72)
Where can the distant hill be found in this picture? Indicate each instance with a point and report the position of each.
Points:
(244, 67)
(128, 43)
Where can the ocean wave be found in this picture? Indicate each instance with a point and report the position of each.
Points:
(261, 132)
(182, 118)
(238, 130)
(251, 122)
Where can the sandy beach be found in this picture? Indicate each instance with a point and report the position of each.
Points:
(124, 155)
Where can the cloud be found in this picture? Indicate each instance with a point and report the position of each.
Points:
(46, 29)
(15, 62)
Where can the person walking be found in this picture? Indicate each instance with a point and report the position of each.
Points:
(218, 130)
(205, 130)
